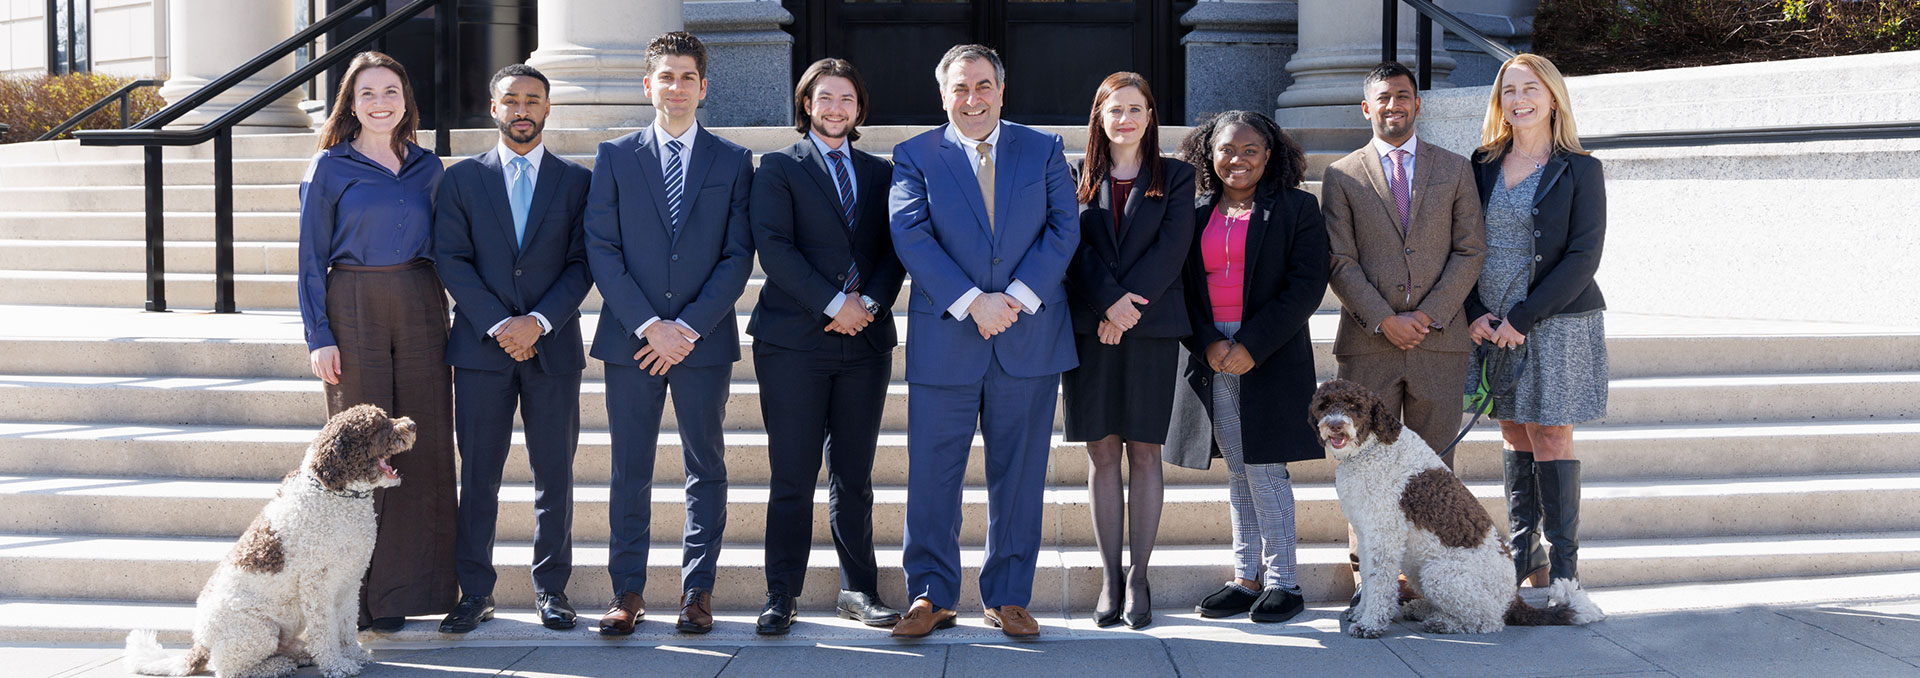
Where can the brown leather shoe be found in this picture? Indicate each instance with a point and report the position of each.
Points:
(922, 619)
(1014, 621)
(626, 610)
(696, 612)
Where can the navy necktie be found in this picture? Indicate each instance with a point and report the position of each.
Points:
(676, 184)
(841, 179)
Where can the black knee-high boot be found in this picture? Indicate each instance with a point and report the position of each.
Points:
(1560, 511)
(1523, 514)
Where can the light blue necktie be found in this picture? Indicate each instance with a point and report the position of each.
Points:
(521, 197)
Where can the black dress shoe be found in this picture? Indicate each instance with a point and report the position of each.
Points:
(1230, 600)
(778, 617)
(1276, 605)
(555, 612)
(1141, 612)
(467, 615)
(387, 624)
(866, 608)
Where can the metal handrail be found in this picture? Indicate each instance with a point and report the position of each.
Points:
(149, 132)
(1423, 35)
(123, 94)
(1853, 131)
(3, 130)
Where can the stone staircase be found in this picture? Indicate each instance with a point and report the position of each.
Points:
(135, 446)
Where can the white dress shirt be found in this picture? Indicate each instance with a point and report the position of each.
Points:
(660, 139)
(853, 187)
(534, 157)
(1018, 290)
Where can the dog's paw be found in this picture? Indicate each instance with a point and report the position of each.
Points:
(1359, 630)
(351, 650)
(1417, 610)
(341, 667)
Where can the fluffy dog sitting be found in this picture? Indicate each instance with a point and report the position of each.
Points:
(1411, 514)
(286, 595)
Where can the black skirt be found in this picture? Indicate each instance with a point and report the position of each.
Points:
(1124, 389)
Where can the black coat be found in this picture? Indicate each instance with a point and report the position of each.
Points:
(805, 246)
(1287, 266)
(1146, 259)
(1569, 228)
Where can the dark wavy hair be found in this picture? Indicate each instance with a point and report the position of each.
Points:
(341, 124)
(829, 67)
(1099, 154)
(677, 43)
(1286, 163)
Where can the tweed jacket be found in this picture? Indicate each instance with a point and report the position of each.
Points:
(1378, 272)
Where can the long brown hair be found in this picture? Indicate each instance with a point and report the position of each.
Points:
(1099, 154)
(829, 67)
(341, 124)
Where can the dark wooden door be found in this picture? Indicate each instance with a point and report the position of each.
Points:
(1056, 51)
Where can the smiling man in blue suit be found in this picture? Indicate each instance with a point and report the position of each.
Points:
(984, 218)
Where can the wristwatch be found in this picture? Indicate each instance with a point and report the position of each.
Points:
(873, 307)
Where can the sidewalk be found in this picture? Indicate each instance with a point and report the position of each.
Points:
(1650, 634)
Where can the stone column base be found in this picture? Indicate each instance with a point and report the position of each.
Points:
(750, 61)
(1233, 55)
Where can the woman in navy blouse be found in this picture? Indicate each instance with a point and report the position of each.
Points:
(376, 323)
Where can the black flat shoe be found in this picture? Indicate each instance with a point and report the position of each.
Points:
(467, 615)
(778, 617)
(1230, 600)
(387, 624)
(555, 612)
(866, 608)
(1276, 605)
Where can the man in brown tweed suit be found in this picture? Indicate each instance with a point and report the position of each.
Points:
(1404, 221)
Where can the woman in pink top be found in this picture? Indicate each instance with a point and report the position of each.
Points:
(1256, 273)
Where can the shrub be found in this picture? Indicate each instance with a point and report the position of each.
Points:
(33, 104)
(1605, 36)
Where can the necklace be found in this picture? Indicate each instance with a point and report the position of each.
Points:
(1529, 156)
(1226, 246)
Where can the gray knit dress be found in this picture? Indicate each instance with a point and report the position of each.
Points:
(1565, 381)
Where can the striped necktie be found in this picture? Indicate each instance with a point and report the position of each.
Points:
(845, 184)
(676, 184)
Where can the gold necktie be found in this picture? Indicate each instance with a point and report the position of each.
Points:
(985, 174)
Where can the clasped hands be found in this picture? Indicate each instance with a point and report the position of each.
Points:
(668, 343)
(852, 318)
(517, 336)
(994, 312)
(1504, 336)
(1407, 330)
(1226, 355)
(1120, 317)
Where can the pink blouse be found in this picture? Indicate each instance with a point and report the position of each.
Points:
(1223, 250)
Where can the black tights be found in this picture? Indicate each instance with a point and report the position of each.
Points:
(1142, 515)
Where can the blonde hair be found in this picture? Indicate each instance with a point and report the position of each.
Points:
(1496, 136)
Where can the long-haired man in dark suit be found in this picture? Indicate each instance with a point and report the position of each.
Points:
(823, 338)
(509, 245)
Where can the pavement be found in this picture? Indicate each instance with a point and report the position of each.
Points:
(1868, 626)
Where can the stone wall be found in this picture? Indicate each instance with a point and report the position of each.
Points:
(1803, 231)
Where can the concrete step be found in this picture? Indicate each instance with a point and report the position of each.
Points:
(131, 225)
(130, 256)
(1193, 515)
(173, 569)
(140, 399)
(270, 291)
(1613, 453)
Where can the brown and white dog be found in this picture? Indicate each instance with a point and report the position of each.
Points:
(286, 596)
(1412, 515)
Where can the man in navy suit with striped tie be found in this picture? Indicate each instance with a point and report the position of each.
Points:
(670, 248)
(508, 243)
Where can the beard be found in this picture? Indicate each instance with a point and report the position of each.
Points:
(820, 130)
(506, 127)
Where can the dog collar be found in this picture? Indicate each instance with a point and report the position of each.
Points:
(346, 494)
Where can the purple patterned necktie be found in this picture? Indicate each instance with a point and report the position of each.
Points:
(1402, 193)
(845, 185)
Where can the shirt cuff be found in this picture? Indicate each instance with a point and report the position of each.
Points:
(495, 330)
(683, 323)
(642, 332)
(833, 307)
(1027, 298)
(545, 327)
(959, 308)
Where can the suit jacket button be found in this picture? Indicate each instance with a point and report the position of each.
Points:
(676, 257)
(1536, 257)
(996, 261)
(669, 295)
(1536, 234)
(1402, 288)
(1409, 251)
(516, 273)
(842, 276)
(1536, 210)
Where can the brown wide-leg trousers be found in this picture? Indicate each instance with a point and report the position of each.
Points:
(391, 327)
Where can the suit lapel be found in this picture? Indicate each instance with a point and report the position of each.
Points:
(962, 171)
(648, 155)
(1258, 223)
(495, 191)
(1003, 173)
(1422, 173)
(1549, 174)
(816, 167)
(1131, 207)
(698, 162)
(543, 190)
(1381, 188)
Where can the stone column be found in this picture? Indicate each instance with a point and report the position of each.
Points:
(751, 58)
(595, 53)
(209, 38)
(1508, 22)
(1233, 54)
(1339, 43)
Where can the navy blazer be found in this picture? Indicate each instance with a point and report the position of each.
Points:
(492, 277)
(805, 246)
(644, 270)
(1144, 257)
(1569, 229)
(940, 230)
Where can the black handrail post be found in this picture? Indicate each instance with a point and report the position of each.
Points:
(123, 112)
(223, 222)
(1423, 37)
(1389, 31)
(379, 11)
(156, 234)
(443, 45)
